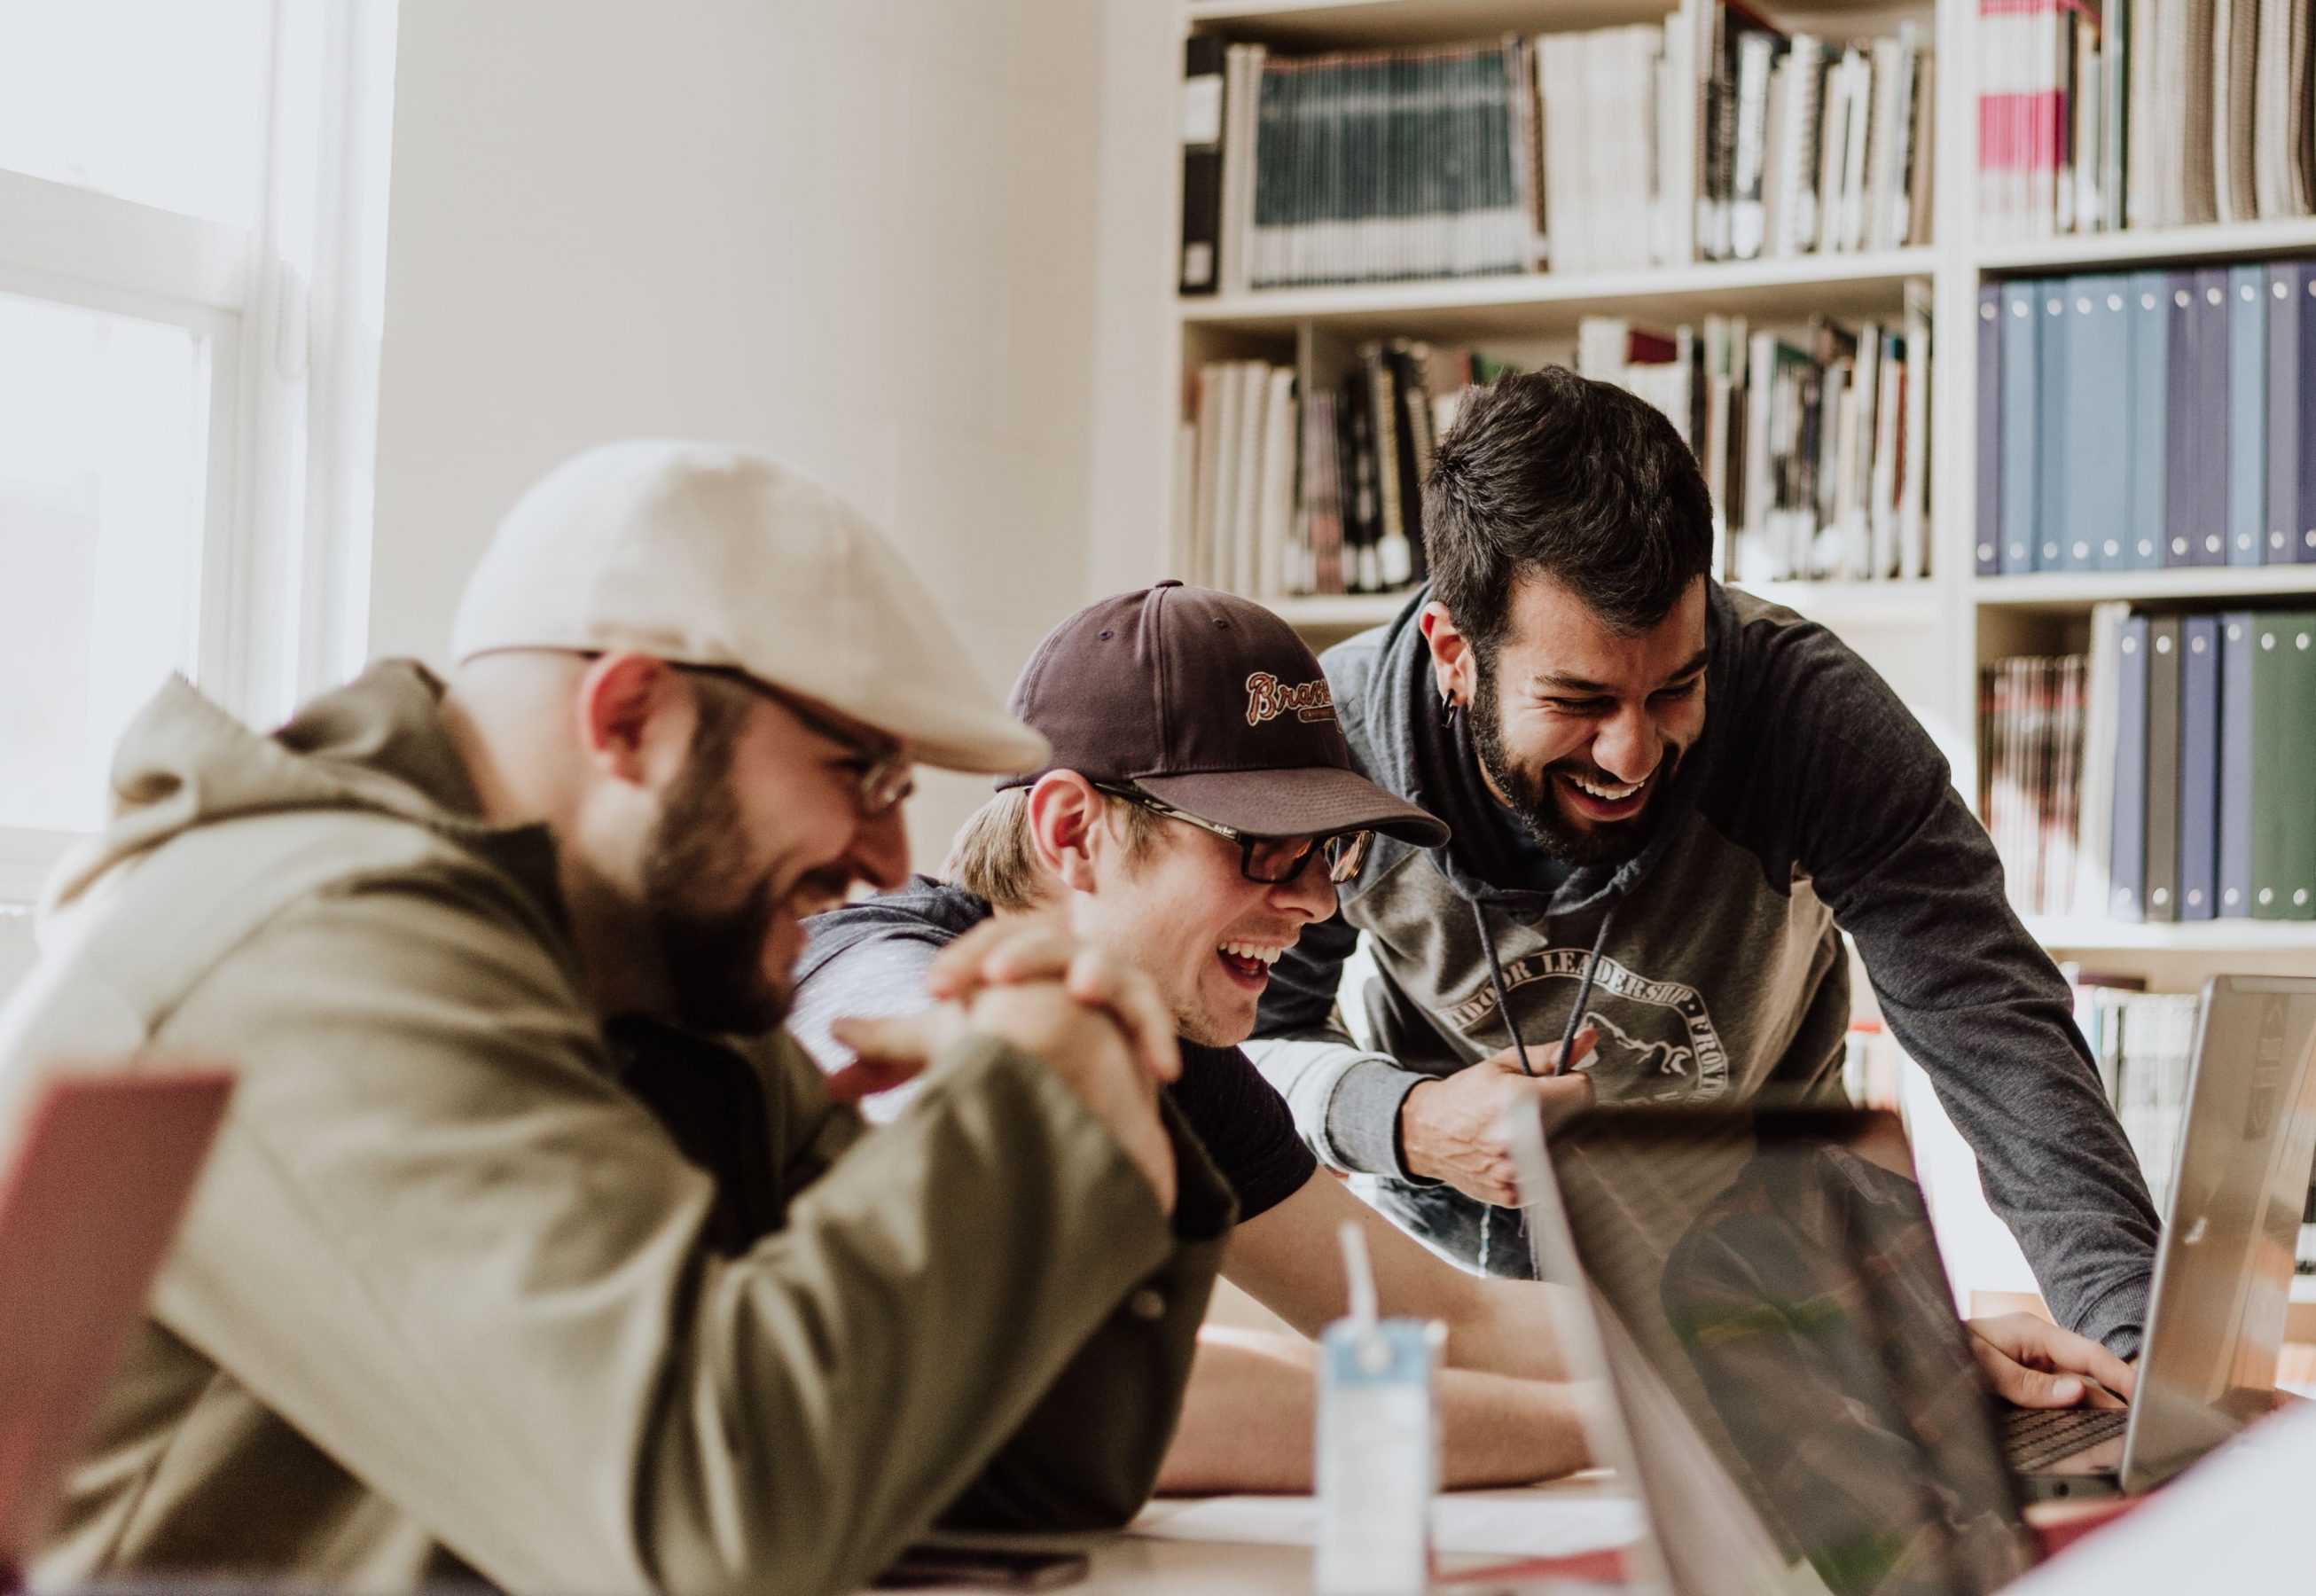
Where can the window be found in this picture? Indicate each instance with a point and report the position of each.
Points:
(192, 264)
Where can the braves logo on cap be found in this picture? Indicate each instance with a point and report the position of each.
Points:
(1267, 698)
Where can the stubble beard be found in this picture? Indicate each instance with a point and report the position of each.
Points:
(1533, 803)
(713, 956)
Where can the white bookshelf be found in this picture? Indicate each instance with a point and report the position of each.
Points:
(2090, 252)
(2069, 590)
(1545, 302)
(1929, 638)
(2208, 938)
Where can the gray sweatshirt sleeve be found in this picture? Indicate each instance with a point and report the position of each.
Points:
(1911, 876)
(1346, 1101)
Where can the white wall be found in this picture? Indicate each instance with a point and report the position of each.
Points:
(858, 232)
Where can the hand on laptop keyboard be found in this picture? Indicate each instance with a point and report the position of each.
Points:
(2033, 1363)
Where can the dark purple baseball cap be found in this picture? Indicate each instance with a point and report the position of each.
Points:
(1208, 702)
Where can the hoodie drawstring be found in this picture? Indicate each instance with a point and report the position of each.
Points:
(1519, 1047)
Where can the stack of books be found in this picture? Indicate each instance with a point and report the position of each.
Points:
(1816, 450)
(2144, 1044)
(2030, 763)
(2129, 421)
(1285, 493)
(2096, 115)
(1713, 136)
(2183, 788)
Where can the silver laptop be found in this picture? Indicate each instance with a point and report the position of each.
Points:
(1760, 1293)
(1759, 1296)
(2223, 1287)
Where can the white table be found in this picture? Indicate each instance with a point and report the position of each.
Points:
(1128, 1564)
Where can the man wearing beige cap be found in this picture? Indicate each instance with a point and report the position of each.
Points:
(509, 1263)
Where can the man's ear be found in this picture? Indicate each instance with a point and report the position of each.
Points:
(1067, 816)
(635, 715)
(1454, 665)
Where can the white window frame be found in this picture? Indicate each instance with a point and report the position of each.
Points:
(290, 310)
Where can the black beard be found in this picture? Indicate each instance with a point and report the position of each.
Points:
(714, 955)
(1531, 800)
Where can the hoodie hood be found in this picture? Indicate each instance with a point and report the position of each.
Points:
(376, 744)
(1410, 746)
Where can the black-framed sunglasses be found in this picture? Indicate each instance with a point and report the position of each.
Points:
(886, 768)
(1273, 862)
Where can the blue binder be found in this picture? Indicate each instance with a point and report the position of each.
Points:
(2304, 277)
(2180, 488)
(2247, 415)
(2053, 466)
(2099, 420)
(2235, 765)
(1988, 533)
(2199, 765)
(2020, 322)
(2148, 311)
(2282, 498)
(2207, 417)
(2127, 845)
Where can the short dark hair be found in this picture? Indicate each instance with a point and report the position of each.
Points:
(1551, 473)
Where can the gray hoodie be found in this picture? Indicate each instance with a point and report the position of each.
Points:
(1712, 964)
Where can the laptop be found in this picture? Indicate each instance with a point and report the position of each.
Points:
(94, 1176)
(1757, 1295)
(2223, 1287)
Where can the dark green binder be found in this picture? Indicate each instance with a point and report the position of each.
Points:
(2284, 766)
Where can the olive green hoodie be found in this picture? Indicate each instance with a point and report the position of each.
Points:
(451, 1297)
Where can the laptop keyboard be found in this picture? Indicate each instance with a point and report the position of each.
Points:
(2035, 1438)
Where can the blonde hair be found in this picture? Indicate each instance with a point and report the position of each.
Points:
(996, 859)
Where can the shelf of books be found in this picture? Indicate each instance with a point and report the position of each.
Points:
(1756, 223)
(1385, 202)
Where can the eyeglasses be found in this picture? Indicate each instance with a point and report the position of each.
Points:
(885, 767)
(1273, 862)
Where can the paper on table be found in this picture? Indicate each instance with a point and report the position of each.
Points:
(1529, 1526)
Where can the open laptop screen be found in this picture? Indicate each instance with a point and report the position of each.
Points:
(1778, 1273)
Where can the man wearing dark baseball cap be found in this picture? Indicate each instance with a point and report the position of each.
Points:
(1198, 808)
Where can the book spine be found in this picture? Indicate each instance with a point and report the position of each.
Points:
(2052, 394)
(2105, 397)
(2021, 411)
(2208, 418)
(2127, 847)
(1987, 536)
(2161, 889)
(2284, 441)
(2304, 277)
(2247, 415)
(2149, 305)
(2199, 766)
(1203, 58)
(2235, 764)
(2181, 488)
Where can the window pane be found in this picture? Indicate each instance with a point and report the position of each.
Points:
(163, 102)
(103, 423)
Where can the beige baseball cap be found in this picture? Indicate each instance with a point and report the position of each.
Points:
(703, 554)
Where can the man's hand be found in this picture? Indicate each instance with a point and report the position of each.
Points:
(1074, 1029)
(2033, 1363)
(1451, 1129)
(1005, 951)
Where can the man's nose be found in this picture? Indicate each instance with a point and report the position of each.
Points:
(1628, 746)
(1311, 895)
(880, 851)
